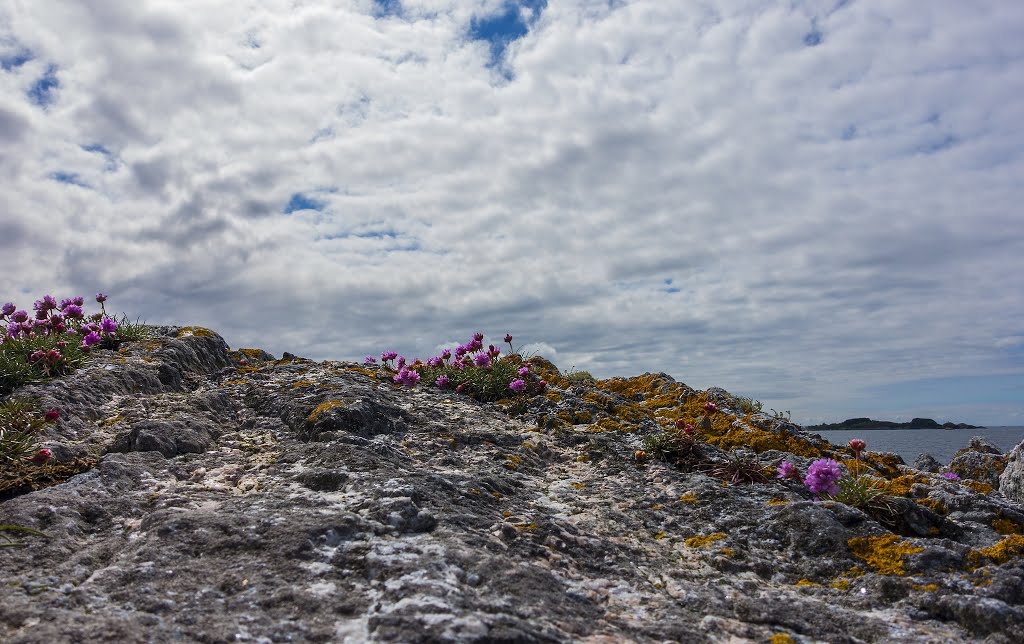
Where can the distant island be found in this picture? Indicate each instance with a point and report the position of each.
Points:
(868, 423)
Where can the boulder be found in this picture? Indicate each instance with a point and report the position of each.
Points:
(227, 496)
(1011, 481)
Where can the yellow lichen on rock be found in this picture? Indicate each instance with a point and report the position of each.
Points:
(885, 554)
(1008, 548)
(704, 540)
(197, 331)
(323, 407)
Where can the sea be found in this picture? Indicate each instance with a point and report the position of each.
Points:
(940, 443)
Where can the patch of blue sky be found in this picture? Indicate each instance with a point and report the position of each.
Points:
(998, 388)
(849, 132)
(97, 148)
(300, 201)
(668, 286)
(41, 92)
(510, 24)
(937, 145)
(12, 61)
(386, 8)
(70, 178)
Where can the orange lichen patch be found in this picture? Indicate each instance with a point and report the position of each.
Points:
(936, 506)
(1006, 526)
(841, 584)
(978, 486)
(660, 534)
(197, 331)
(759, 440)
(900, 486)
(369, 373)
(548, 372)
(513, 461)
(701, 541)
(928, 588)
(251, 353)
(883, 463)
(553, 396)
(323, 407)
(885, 554)
(303, 383)
(777, 501)
(648, 387)
(727, 552)
(781, 638)
(113, 420)
(248, 369)
(806, 582)
(689, 497)
(1008, 548)
(236, 381)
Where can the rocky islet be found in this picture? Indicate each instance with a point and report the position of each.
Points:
(203, 494)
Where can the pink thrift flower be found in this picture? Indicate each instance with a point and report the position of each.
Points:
(442, 382)
(41, 456)
(523, 371)
(710, 408)
(857, 445)
(823, 476)
(52, 415)
(101, 298)
(517, 385)
(952, 476)
(787, 470)
(508, 338)
(482, 360)
(91, 338)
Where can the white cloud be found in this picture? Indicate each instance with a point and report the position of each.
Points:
(828, 215)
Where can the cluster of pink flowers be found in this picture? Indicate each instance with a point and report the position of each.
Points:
(823, 475)
(465, 356)
(50, 319)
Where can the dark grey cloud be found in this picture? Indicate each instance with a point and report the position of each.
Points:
(790, 201)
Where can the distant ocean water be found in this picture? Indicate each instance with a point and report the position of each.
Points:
(940, 443)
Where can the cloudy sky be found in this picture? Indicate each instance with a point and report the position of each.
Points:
(815, 203)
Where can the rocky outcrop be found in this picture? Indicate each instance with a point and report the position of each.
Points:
(869, 423)
(1011, 481)
(227, 496)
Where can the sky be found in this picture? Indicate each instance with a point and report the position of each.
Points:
(816, 204)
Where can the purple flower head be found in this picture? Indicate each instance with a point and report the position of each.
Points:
(65, 303)
(508, 338)
(53, 356)
(442, 381)
(73, 311)
(369, 360)
(400, 363)
(952, 476)
(482, 360)
(523, 371)
(478, 337)
(517, 385)
(388, 356)
(79, 301)
(108, 326)
(37, 356)
(823, 476)
(8, 309)
(407, 377)
(91, 338)
(45, 304)
(434, 362)
(40, 313)
(20, 316)
(101, 297)
(446, 354)
(787, 470)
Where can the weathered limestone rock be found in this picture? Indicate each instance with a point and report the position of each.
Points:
(290, 500)
(1011, 481)
(927, 463)
(980, 461)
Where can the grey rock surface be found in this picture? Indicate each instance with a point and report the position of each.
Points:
(290, 500)
(1011, 481)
